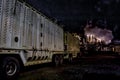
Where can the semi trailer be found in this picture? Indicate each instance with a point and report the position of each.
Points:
(28, 37)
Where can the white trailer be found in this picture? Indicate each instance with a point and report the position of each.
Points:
(27, 37)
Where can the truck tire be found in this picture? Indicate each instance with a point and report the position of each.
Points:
(70, 58)
(61, 60)
(55, 60)
(10, 68)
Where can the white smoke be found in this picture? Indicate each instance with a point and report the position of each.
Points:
(104, 35)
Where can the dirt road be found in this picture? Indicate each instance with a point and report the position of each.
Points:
(74, 71)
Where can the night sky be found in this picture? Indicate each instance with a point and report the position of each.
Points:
(74, 14)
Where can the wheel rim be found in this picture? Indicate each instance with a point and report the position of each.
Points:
(11, 68)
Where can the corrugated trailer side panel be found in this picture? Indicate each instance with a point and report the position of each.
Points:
(38, 32)
(41, 24)
(14, 26)
(46, 45)
(17, 33)
(24, 28)
(52, 37)
(43, 33)
(42, 37)
(34, 36)
(56, 38)
(28, 26)
(21, 22)
(49, 37)
(61, 35)
(61, 38)
(1, 13)
(24, 34)
(4, 24)
(10, 32)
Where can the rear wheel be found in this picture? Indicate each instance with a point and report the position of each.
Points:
(61, 60)
(56, 60)
(70, 59)
(10, 68)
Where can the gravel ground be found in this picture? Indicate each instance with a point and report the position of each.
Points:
(75, 71)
